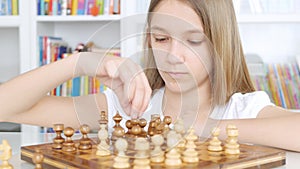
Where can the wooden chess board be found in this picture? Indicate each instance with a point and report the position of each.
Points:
(251, 156)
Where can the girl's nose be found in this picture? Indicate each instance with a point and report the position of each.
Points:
(176, 53)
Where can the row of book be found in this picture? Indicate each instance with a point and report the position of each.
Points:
(282, 83)
(78, 7)
(52, 49)
(9, 7)
(267, 6)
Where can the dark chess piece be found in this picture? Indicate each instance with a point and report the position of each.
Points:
(167, 121)
(142, 124)
(136, 128)
(85, 143)
(58, 140)
(69, 145)
(118, 130)
(152, 128)
(128, 125)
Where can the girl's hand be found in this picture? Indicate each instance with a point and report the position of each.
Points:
(128, 81)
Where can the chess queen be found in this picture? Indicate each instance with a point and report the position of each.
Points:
(194, 70)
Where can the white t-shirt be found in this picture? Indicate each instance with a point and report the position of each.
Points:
(240, 106)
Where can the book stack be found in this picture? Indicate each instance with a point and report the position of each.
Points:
(282, 83)
(53, 49)
(9, 7)
(78, 7)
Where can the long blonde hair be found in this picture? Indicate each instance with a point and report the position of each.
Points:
(230, 72)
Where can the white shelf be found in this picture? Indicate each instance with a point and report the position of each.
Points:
(10, 21)
(268, 18)
(81, 18)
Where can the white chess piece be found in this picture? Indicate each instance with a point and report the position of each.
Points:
(157, 155)
(172, 156)
(121, 161)
(5, 148)
(190, 155)
(103, 147)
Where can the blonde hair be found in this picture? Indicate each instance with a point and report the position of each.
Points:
(230, 72)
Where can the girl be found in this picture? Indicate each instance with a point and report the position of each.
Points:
(195, 70)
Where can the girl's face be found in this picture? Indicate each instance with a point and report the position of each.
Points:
(179, 46)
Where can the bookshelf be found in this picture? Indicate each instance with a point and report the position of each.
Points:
(106, 31)
(270, 30)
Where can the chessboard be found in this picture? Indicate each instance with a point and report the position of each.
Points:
(159, 147)
(251, 156)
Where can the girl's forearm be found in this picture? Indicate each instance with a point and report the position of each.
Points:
(21, 93)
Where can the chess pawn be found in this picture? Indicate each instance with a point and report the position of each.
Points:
(136, 128)
(231, 146)
(103, 147)
(121, 160)
(180, 130)
(190, 155)
(5, 148)
(142, 124)
(215, 143)
(172, 156)
(128, 125)
(85, 143)
(38, 159)
(141, 160)
(152, 128)
(69, 145)
(58, 140)
(157, 155)
(167, 121)
(118, 130)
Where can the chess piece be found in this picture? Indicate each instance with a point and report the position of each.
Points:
(190, 155)
(121, 160)
(5, 148)
(172, 156)
(128, 125)
(152, 128)
(103, 118)
(142, 124)
(232, 146)
(141, 160)
(85, 143)
(136, 129)
(215, 143)
(58, 140)
(157, 155)
(118, 130)
(180, 130)
(103, 147)
(167, 121)
(68, 145)
(38, 159)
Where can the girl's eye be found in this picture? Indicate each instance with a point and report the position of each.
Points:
(195, 42)
(161, 39)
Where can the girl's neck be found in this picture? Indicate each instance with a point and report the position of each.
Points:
(190, 105)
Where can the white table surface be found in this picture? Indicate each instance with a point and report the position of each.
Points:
(16, 140)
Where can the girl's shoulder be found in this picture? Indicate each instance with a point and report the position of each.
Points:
(241, 106)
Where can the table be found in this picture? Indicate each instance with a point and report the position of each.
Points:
(18, 139)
